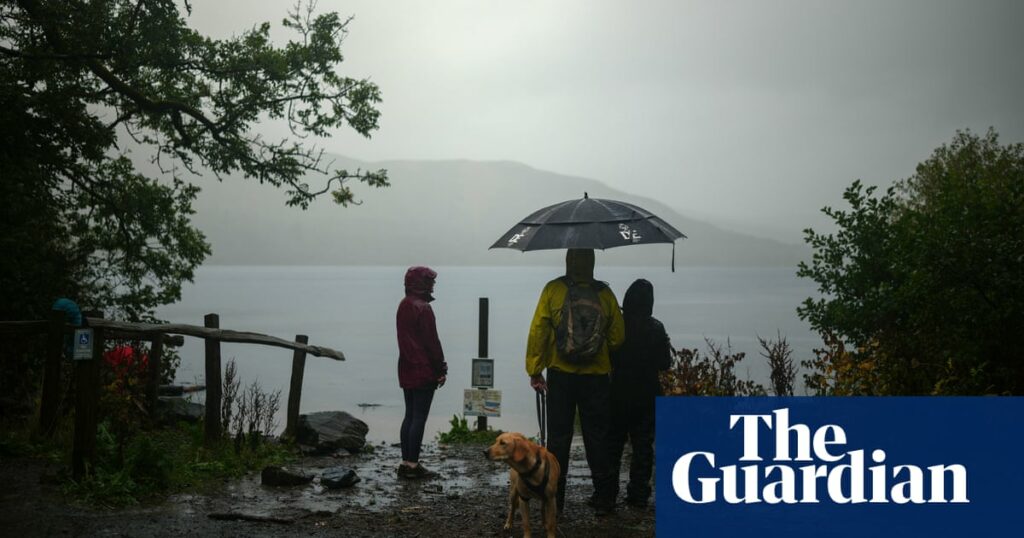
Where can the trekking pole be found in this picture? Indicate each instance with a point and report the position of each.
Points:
(542, 416)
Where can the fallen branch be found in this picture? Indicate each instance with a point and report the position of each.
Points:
(236, 516)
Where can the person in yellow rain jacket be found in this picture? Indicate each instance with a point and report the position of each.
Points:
(575, 383)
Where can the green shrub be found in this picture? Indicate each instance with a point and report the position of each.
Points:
(150, 464)
(921, 286)
(460, 433)
(710, 374)
(160, 462)
(105, 487)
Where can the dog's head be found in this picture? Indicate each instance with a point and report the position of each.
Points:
(508, 447)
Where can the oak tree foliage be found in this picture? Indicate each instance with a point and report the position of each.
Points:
(90, 89)
(85, 85)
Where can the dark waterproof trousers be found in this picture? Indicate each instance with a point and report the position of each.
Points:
(417, 407)
(633, 418)
(589, 394)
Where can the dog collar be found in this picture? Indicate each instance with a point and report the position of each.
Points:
(539, 488)
(536, 465)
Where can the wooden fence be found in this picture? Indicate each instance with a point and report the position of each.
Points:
(86, 372)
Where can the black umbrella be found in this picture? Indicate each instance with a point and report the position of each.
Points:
(589, 223)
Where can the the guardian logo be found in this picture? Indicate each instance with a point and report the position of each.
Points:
(785, 467)
(810, 467)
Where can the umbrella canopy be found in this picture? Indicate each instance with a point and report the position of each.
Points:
(588, 223)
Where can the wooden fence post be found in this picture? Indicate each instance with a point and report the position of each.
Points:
(87, 393)
(291, 430)
(156, 351)
(481, 422)
(213, 383)
(51, 373)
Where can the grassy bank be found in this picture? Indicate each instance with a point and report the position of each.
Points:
(149, 466)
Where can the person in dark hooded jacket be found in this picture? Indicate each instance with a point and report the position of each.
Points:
(421, 365)
(634, 388)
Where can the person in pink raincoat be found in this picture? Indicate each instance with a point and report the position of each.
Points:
(421, 365)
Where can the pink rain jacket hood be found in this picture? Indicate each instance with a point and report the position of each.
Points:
(420, 357)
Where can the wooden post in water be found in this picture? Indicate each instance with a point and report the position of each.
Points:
(481, 422)
(156, 351)
(213, 383)
(87, 394)
(291, 429)
(51, 373)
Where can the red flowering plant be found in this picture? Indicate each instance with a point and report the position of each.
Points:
(127, 362)
(123, 396)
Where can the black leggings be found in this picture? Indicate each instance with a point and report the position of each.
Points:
(417, 406)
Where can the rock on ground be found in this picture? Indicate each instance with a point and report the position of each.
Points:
(279, 477)
(339, 477)
(327, 431)
(173, 409)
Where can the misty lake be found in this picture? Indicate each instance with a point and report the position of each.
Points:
(352, 309)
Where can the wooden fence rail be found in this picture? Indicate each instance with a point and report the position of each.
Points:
(223, 335)
(86, 373)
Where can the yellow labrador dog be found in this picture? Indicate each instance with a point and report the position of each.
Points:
(533, 473)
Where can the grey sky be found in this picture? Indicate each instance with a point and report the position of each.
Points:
(752, 115)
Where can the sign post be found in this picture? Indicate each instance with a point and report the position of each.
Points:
(87, 350)
(483, 368)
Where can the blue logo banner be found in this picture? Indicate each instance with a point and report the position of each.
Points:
(803, 467)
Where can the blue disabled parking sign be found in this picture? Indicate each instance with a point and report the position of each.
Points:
(83, 345)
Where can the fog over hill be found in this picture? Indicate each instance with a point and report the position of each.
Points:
(440, 213)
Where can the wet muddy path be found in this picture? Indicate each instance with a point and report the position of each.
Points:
(470, 499)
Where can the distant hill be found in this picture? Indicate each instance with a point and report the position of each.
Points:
(441, 213)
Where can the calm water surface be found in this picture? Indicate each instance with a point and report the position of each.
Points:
(352, 309)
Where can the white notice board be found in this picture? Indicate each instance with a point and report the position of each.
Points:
(481, 403)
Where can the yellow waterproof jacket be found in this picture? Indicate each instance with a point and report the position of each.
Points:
(540, 347)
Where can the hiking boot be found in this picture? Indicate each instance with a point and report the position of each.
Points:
(603, 507)
(636, 502)
(418, 472)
